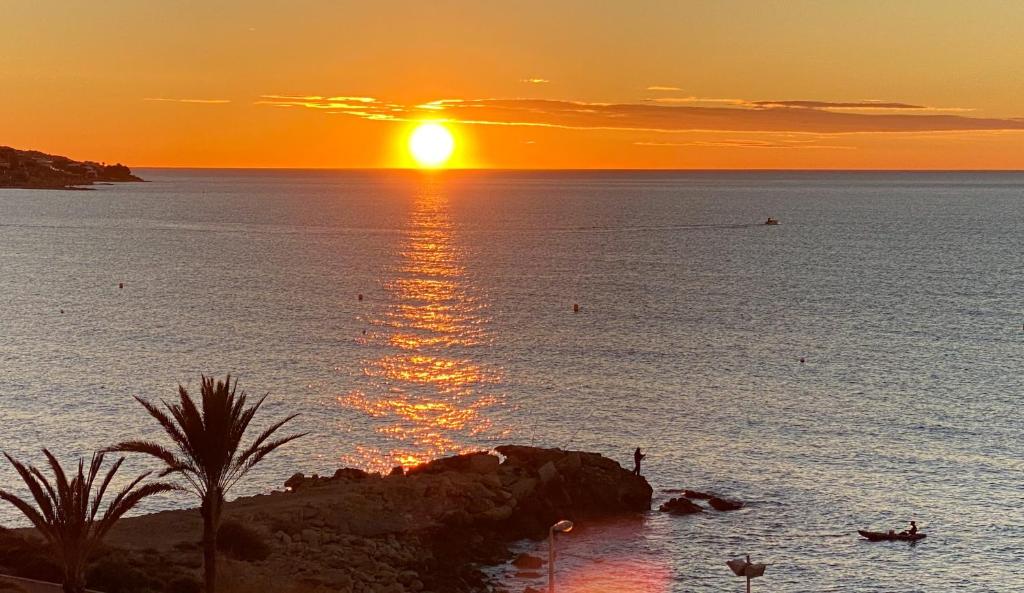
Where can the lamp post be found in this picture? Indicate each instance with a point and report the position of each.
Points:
(563, 526)
(746, 568)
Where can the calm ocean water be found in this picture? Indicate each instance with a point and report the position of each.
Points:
(902, 291)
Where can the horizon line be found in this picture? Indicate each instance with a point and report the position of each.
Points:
(584, 169)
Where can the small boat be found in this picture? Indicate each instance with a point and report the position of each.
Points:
(771, 221)
(880, 536)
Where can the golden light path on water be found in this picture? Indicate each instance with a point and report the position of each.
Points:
(424, 388)
(428, 390)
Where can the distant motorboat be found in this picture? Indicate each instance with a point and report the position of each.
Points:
(880, 536)
(771, 221)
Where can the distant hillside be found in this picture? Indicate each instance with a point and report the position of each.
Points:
(37, 170)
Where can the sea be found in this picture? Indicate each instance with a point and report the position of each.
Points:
(857, 366)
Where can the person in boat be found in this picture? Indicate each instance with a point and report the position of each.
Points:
(637, 458)
(912, 531)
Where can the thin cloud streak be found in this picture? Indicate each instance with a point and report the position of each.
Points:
(535, 80)
(801, 104)
(745, 144)
(854, 106)
(801, 117)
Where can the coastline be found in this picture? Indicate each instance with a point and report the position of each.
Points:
(429, 529)
(32, 169)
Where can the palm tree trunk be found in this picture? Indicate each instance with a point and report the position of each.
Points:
(74, 580)
(211, 521)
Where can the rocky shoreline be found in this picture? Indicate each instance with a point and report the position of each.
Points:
(428, 529)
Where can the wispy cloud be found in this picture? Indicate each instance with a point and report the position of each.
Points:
(197, 101)
(743, 143)
(803, 104)
(664, 88)
(730, 115)
(535, 80)
(853, 106)
(692, 99)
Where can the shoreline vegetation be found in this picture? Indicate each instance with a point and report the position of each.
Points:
(425, 529)
(31, 169)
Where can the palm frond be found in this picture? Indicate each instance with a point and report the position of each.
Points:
(256, 444)
(28, 475)
(146, 448)
(65, 513)
(103, 487)
(127, 502)
(208, 431)
(165, 422)
(260, 454)
(63, 487)
(38, 520)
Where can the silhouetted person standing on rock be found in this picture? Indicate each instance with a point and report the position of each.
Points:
(637, 457)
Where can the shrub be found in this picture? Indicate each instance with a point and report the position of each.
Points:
(27, 558)
(114, 574)
(241, 542)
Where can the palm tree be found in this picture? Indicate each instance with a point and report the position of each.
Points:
(208, 455)
(65, 511)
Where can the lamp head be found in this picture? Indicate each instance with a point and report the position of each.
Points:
(564, 526)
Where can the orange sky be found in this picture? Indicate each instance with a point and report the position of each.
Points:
(674, 84)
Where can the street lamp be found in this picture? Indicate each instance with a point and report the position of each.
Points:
(563, 526)
(746, 568)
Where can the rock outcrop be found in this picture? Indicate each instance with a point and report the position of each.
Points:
(681, 506)
(724, 504)
(684, 505)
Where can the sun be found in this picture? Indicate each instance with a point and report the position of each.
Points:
(431, 145)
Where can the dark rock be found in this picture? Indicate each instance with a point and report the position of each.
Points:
(350, 473)
(724, 504)
(578, 485)
(527, 561)
(680, 506)
(397, 471)
(479, 463)
(295, 481)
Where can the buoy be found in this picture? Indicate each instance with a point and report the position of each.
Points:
(360, 296)
(802, 360)
(62, 311)
(120, 284)
(576, 308)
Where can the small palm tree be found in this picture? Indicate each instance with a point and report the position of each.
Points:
(209, 456)
(65, 511)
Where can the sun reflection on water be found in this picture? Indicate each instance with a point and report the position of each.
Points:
(424, 388)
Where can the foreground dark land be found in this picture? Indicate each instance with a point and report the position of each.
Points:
(30, 169)
(426, 530)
